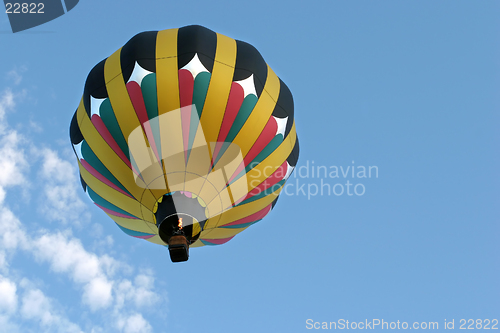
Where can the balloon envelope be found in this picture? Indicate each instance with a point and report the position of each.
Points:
(188, 127)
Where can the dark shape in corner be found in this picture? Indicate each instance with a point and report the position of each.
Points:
(36, 13)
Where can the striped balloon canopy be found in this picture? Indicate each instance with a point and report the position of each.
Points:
(187, 126)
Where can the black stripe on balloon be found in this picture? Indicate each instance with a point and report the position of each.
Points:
(141, 49)
(294, 155)
(75, 134)
(196, 39)
(275, 202)
(284, 106)
(249, 61)
(95, 85)
(84, 184)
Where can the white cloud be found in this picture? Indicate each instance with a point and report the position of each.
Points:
(15, 75)
(13, 164)
(61, 201)
(3, 261)
(6, 103)
(8, 295)
(95, 273)
(98, 293)
(140, 293)
(12, 235)
(101, 279)
(12, 160)
(67, 255)
(36, 306)
(134, 324)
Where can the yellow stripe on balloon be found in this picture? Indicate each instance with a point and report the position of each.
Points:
(113, 162)
(174, 162)
(198, 243)
(119, 97)
(156, 240)
(196, 229)
(80, 112)
(241, 211)
(114, 197)
(219, 233)
(199, 156)
(134, 224)
(147, 214)
(219, 87)
(127, 116)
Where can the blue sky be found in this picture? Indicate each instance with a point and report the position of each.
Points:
(410, 88)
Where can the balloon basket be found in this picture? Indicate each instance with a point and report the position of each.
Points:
(178, 248)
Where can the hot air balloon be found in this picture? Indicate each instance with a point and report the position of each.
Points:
(184, 137)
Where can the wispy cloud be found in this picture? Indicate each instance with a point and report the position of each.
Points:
(134, 324)
(36, 306)
(6, 102)
(12, 161)
(104, 287)
(16, 74)
(61, 200)
(108, 287)
(67, 255)
(20, 299)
